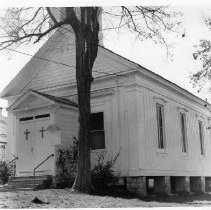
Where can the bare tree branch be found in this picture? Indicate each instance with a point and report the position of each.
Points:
(51, 15)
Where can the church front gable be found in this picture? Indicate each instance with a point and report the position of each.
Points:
(39, 128)
(30, 100)
(34, 141)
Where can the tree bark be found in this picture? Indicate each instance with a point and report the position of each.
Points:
(86, 36)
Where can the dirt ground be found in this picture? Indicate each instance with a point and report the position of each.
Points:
(64, 198)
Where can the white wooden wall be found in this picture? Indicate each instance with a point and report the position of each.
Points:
(144, 156)
(67, 121)
(128, 102)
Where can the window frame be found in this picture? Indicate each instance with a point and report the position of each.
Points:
(201, 137)
(163, 147)
(183, 132)
(98, 130)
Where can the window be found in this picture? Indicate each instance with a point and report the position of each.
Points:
(160, 125)
(42, 116)
(26, 118)
(183, 132)
(97, 131)
(201, 137)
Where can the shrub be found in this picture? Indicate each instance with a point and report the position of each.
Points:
(4, 172)
(66, 164)
(102, 174)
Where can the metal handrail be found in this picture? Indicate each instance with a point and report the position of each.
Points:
(12, 161)
(10, 166)
(52, 155)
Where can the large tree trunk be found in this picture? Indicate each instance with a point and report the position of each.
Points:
(86, 52)
(84, 79)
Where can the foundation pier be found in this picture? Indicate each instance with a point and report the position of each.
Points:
(162, 185)
(197, 184)
(137, 185)
(182, 184)
(208, 184)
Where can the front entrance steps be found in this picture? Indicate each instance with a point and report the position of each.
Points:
(27, 183)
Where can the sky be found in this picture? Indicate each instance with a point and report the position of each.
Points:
(176, 69)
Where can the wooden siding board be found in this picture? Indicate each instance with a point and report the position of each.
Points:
(173, 159)
(51, 74)
(67, 121)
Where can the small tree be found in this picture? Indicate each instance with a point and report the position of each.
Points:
(103, 172)
(203, 55)
(26, 25)
(4, 172)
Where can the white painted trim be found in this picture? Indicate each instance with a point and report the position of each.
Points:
(167, 84)
(159, 100)
(182, 110)
(31, 108)
(24, 96)
(200, 117)
(171, 98)
(102, 92)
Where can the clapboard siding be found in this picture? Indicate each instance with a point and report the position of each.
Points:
(67, 121)
(129, 106)
(172, 160)
(61, 49)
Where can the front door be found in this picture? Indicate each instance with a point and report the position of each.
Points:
(43, 147)
(34, 146)
(25, 148)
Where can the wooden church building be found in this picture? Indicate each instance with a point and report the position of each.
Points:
(161, 131)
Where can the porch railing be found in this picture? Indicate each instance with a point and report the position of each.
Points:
(11, 166)
(52, 155)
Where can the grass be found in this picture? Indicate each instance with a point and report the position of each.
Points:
(64, 198)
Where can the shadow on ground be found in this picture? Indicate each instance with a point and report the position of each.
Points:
(173, 198)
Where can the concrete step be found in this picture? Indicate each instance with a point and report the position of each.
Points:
(29, 177)
(27, 183)
(9, 189)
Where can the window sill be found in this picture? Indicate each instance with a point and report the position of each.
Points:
(202, 157)
(98, 150)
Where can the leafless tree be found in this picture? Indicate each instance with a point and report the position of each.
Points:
(30, 25)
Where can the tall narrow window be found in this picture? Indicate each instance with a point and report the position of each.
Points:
(183, 132)
(201, 137)
(160, 124)
(97, 131)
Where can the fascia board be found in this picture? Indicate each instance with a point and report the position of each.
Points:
(152, 76)
(24, 97)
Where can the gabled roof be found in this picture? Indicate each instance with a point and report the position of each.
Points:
(49, 99)
(39, 74)
(36, 72)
